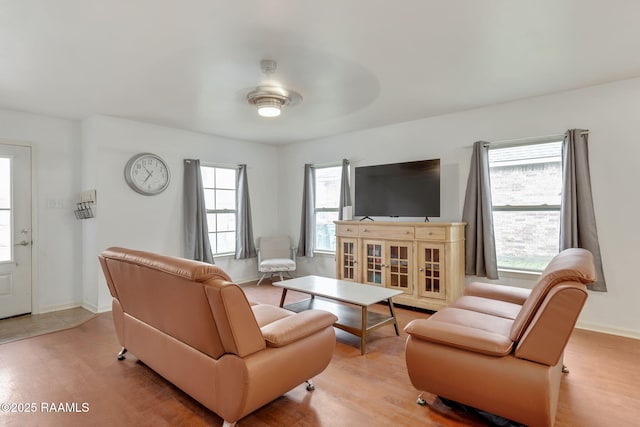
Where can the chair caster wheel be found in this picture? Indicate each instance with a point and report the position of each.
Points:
(121, 354)
(420, 401)
(310, 386)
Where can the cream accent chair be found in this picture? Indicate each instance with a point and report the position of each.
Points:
(188, 322)
(499, 349)
(276, 255)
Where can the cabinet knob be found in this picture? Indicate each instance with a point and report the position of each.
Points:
(421, 269)
(365, 230)
(348, 229)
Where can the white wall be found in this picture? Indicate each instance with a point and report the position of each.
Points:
(154, 223)
(609, 111)
(57, 246)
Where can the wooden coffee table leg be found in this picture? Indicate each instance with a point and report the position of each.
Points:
(393, 314)
(284, 294)
(363, 332)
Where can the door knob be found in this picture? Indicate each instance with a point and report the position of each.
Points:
(22, 243)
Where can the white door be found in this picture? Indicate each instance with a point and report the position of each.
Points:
(15, 230)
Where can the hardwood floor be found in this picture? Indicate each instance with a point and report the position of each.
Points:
(78, 366)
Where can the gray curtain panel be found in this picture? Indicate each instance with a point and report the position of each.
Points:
(196, 232)
(245, 246)
(307, 222)
(345, 189)
(577, 216)
(480, 245)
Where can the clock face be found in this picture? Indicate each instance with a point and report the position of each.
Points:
(147, 174)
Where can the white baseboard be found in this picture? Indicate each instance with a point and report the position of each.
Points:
(104, 309)
(57, 307)
(608, 330)
(92, 308)
(241, 282)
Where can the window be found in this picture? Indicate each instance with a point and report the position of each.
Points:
(327, 205)
(526, 187)
(220, 201)
(5, 209)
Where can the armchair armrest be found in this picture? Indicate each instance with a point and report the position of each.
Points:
(498, 292)
(460, 336)
(293, 328)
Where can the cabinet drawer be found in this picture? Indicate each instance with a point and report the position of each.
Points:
(431, 233)
(386, 232)
(346, 230)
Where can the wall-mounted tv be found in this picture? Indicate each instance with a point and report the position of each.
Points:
(410, 189)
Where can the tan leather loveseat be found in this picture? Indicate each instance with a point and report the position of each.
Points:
(499, 349)
(188, 322)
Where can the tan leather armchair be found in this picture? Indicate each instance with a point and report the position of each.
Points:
(188, 322)
(499, 349)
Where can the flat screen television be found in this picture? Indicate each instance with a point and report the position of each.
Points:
(409, 189)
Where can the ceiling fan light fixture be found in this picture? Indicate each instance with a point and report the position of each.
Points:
(269, 107)
(269, 100)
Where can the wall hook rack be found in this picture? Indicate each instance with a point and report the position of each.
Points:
(84, 208)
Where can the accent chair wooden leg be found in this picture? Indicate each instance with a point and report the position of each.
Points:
(261, 279)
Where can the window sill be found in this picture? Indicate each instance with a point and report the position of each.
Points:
(326, 253)
(519, 274)
(225, 255)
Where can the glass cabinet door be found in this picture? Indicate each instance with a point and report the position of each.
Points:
(373, 268)
(431, 270)
(399, 266)
(348, 262)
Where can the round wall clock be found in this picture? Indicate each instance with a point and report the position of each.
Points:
(147, 174)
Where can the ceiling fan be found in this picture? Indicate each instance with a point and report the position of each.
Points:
(271, 98)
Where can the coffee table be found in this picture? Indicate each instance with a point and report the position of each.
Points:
(347, 300)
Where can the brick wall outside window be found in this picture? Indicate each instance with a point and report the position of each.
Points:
(529, 176)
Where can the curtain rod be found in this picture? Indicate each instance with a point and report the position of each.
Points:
(534, 140)
(328, 164)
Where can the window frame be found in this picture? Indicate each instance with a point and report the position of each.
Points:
(324, 209)
(222, 211)
(525, 208)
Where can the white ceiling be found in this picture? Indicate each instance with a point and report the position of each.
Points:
(357, 63)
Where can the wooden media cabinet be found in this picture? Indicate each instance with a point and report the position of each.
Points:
(424, 260)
